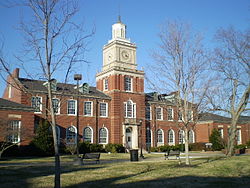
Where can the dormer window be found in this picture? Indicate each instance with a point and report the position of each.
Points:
(53, 84)
(84, 88)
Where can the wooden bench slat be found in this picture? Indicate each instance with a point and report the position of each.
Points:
(94, 156)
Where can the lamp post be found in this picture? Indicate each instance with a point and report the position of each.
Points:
(77, 77)
(141, 154)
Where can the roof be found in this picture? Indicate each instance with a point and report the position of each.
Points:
(61, 89)
(221, 119)
(10, 105)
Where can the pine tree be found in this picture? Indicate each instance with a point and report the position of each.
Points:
(216, 140)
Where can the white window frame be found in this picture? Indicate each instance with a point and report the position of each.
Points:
(67, 134)
(238, 136)
(161, 113)
(128, 86)
(180, 113)
(107, 136)
(14, 136)
(35, 105)
(172, 114)
(190, 112)
(91, 106)
(221, 131)
(91, 138)
(106, 110)
(10, 91)
(189, 133)
(58, 111)
(74, 108)
(171, 137)
(157, 136)
(106, 84)
(181, 137)
(133, 109)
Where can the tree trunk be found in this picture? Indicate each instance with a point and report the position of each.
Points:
(187, 161)
(231, 139)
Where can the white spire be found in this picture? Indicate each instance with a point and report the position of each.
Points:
(118, 30)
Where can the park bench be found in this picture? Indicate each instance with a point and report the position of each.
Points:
(170, 154)
(91, 156)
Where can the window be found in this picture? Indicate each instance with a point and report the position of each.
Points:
(88, 108)
(190, 115)
(106, 84)
(170, 114)
(71, 135)
(221, 132)
(88, 134)
(36, 102)
(148, 112)
(181, 137)
(103, 136)
(171, 137)
(72, 107)
(179, 116)
(238, 136)
(159, 113)
(103, 109)
(159, 136)
(14, 131)
(130, 109)
(191, 136)
(128, 83)
(56, 106)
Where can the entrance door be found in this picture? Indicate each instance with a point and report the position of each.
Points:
(129, 138)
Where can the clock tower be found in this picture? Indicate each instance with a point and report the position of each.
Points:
(124, 83)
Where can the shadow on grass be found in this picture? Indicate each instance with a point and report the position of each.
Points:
(171, 182)
(18, 176)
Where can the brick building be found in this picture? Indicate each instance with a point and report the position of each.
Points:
(117, 110)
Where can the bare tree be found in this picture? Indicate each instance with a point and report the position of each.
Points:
(230, 94)
(54, 43)
(10, 134)
(180, 66)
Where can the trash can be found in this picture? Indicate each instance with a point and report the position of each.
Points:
(133, 154)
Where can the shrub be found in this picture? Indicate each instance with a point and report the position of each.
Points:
(248, 144)
(241, 146)
(84, 147)
(43, 141)
(199, 146)
(96, 148)
(115, 148)
(154, 149)
(216, 140)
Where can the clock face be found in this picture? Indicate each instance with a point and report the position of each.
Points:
(125, 55)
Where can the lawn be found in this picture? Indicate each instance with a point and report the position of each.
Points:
(115, 170)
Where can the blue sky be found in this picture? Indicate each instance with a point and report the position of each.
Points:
(143, 19)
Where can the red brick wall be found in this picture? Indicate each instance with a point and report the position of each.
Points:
(27, 123)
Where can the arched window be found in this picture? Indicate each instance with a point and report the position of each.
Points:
(171, 137)
(103, 135)
(71, 135)
(191, 136)
(88, 134)
(130, 109)
(160, 136)
(181, 137)
(238, 136)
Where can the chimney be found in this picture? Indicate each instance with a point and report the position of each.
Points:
(15, 73)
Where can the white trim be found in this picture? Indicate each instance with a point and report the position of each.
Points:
(105, 84)
(107, 138)
(67, 134)
(160, 143)
(92, 132)
(59, 105)
(238, 136)
(68, 107)
(172, 114)
(181, 132)
(191, 131)
(91, 113)
(221, 131)
(161, 113)
(171, 131)
(41, 102)
(106, 109)
(131, 83)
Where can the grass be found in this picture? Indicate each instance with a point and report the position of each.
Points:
(115, 170)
